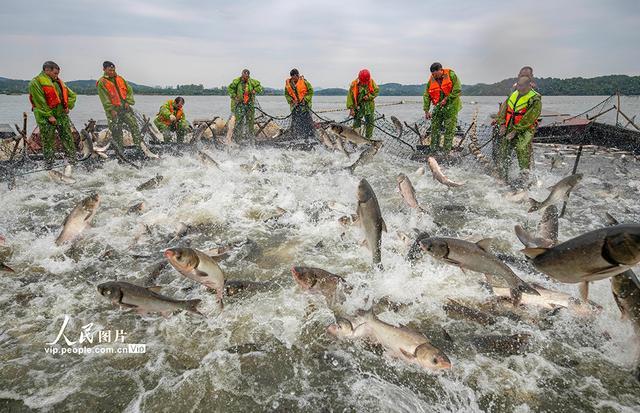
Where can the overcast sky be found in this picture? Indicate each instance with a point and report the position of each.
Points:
(159, 42)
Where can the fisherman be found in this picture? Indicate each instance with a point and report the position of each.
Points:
(360, 101)
(299, 93)
(51, 101)
(518, 119)
(443, 92)
(116, 96)
(528, 72)
(171, 118)
(243, 92)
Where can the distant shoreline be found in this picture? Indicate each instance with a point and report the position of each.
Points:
(597, 86)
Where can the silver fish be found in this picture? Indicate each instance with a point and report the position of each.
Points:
(78, 219)
(399, 341)
(151, 183)
(439, 176)
(475, 257)
(592, 256)
(559, 192)
(349, 134)
(206, 159)
(408, 192)
(366, 156)
(144, 299)
(198, 267)
(370, 218)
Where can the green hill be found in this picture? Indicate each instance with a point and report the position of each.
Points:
(601, 85)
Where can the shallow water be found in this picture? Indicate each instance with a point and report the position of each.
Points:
(268, 351)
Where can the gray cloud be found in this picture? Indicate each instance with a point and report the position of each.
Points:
(161, 42)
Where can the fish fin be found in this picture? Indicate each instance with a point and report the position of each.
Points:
(364, 243)
(485, 244)
(384, 225)
(407, 354)
(526, 288)
(200, 273)
(583, 288)
(6, 268)
(165, 314)
(534, 252)
(534, 205)
(623, 312)
(609, 271)
(192, 306)
(155, 288)
(611, 221)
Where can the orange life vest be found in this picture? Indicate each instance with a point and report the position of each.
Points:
(179, 114)
(435, 88)
(517, 106)
(301, 89)
(245, 96)
(117, 92)
(355, 87)
(50, 92)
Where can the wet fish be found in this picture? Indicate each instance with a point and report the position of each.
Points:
(366, 156)
(231, 125)
(78, 219)
(87, 144)
(60, 177)
(548, 226)
(370, 218)
(325, 139)
(592, 256)
(408, 192)
(198, 267)
(235, 287)
(529, 240)
(348, 133)
(439, 176)
(144, 299)
(455, 309)
(551, 299)
(476, 257)
(206, 159)
(339, 145)
(317, 280)
(136, 208)
(151, 183)
(559, 192)
(398, 125)
(147, 152)
(400, 342)
(503, 345)
(627, 296)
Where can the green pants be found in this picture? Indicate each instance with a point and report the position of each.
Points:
(444, 120)
(124, 119)
(245, 115)
(369, 120)
(48, 138)
(177, 127)
(522, 144)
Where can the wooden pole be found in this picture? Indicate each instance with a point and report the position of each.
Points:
(629, 120)
(575, 169)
